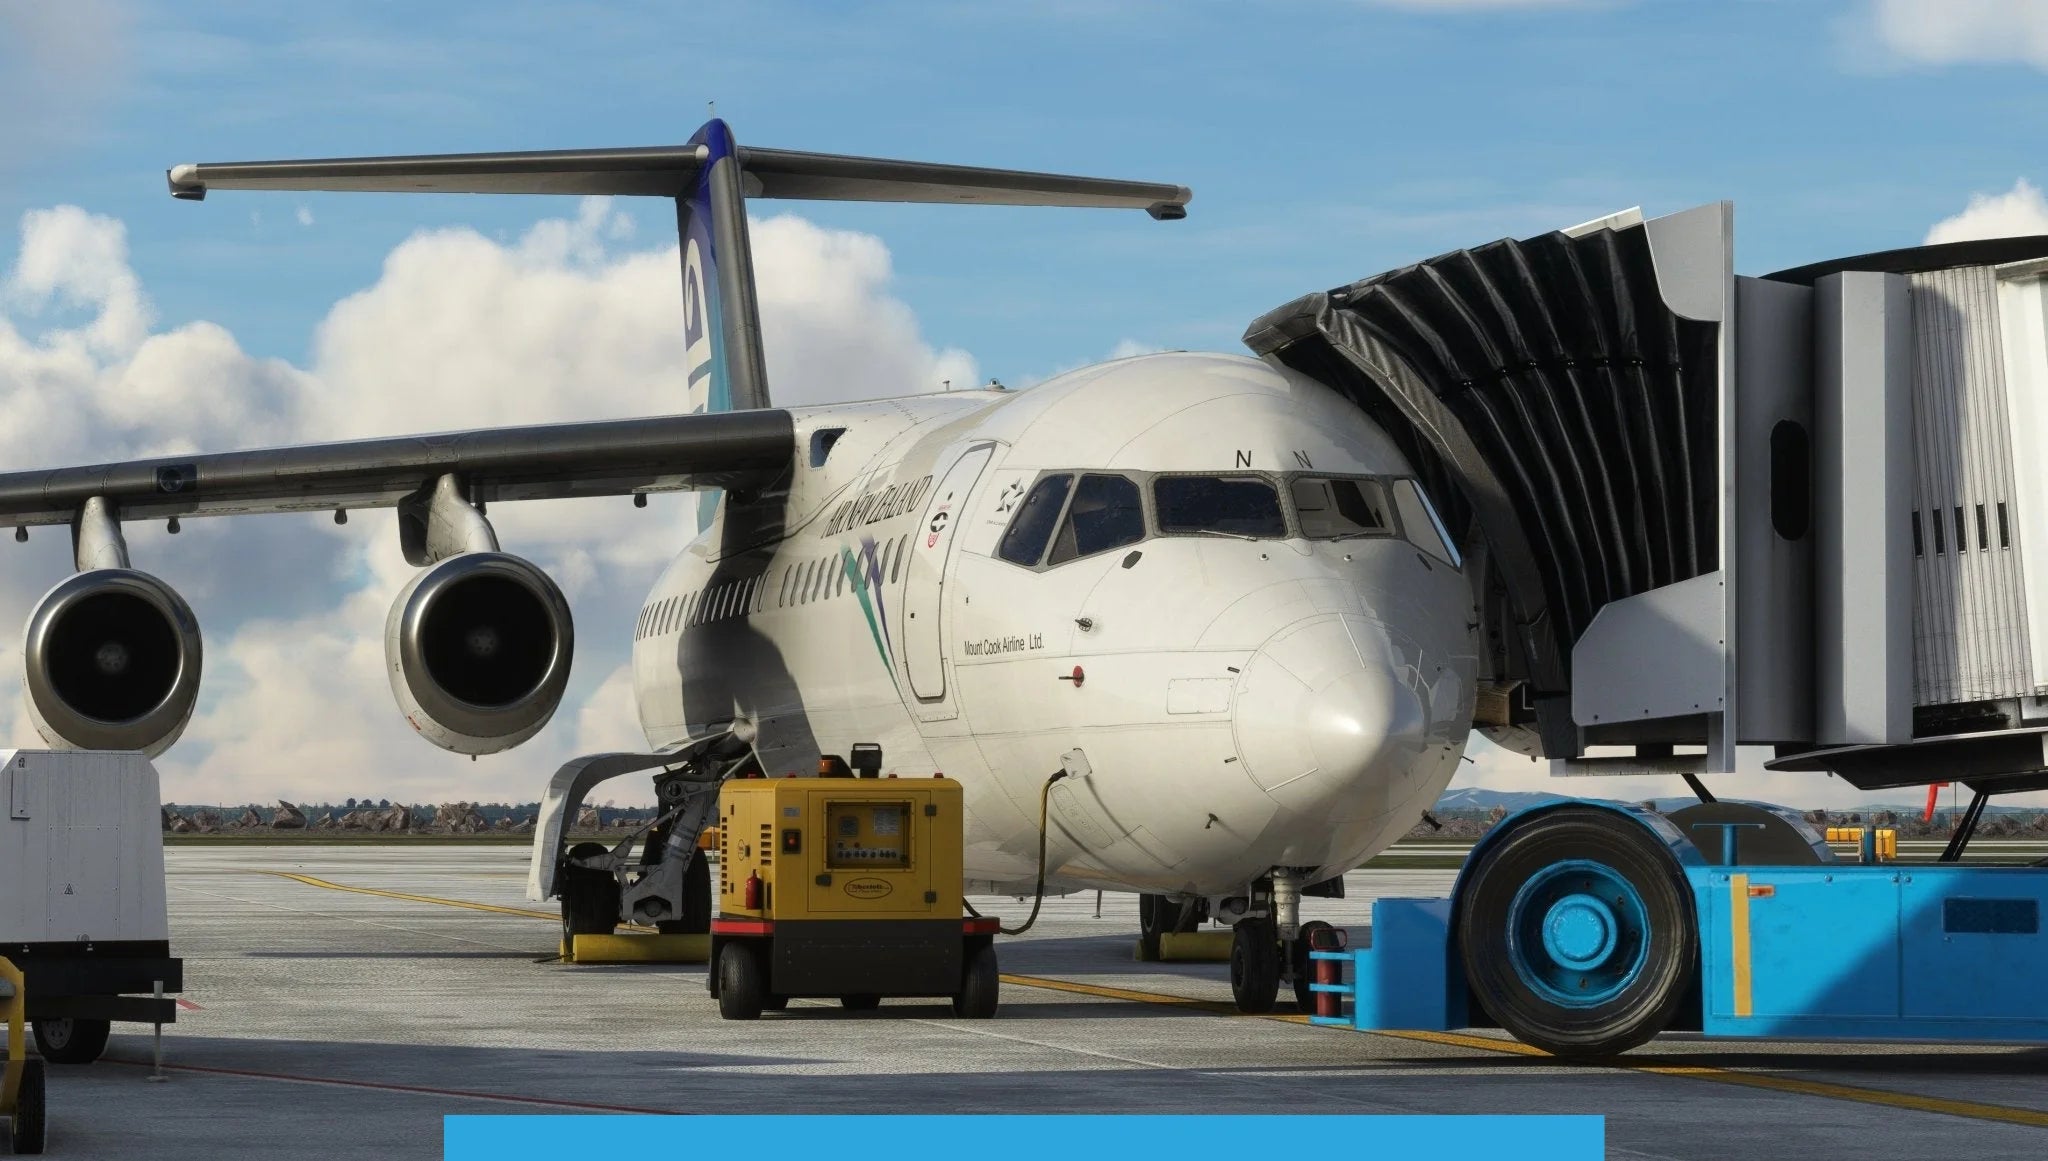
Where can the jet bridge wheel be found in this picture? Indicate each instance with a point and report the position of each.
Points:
(1577, 933)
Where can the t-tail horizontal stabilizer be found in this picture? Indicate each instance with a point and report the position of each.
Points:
(709, 177)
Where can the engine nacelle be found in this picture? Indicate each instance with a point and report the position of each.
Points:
(112, 658)
(478, 650)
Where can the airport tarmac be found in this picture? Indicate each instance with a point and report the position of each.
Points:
(331, 1016)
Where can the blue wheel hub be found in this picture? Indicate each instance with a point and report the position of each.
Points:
(1578, 933)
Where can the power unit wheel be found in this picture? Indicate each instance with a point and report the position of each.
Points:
(1302, 967)
(71, 1041)
(860, 1002)
(26, 1131)
(775, 1004)
(1255, 965)
(980, 984)
(742, 985)
(590, 899)
(1577, 933)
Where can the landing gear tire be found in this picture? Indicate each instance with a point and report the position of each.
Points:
(26, 1132)
(775, 1004)
(69, 1041)
(1254, 965)
(1577, 933)
(1158, 915)
(696, 916)
(742, 985)
(863, 1002)
(590, 899)
(980, 984)
(1301, 967)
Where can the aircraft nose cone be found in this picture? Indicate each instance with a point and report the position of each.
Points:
(1325, 715)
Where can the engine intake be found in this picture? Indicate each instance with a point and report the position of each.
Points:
(478, 649)
(112, 658)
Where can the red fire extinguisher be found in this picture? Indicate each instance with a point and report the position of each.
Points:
(1328, 971)
(751, 893)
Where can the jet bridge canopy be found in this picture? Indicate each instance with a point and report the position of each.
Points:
(1705, 510)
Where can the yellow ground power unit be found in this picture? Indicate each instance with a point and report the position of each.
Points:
(21, 1079)
(845, 887)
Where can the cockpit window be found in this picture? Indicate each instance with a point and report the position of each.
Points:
(1106, 513)
(1025, 541)
(1231, 505)
(1331, 509)
(1420, 524)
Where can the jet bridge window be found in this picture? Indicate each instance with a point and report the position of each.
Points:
(1338, 509)
(1106, 513)
(1036, 518)
(1228, 505)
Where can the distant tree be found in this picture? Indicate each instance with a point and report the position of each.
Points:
(351, 804)
(383, 804)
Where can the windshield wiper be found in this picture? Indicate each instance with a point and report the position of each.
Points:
(1356, 536)
(1214, 532)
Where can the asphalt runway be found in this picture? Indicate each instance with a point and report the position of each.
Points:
(331, 1018)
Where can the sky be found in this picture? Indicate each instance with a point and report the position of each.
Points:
(1325, 140)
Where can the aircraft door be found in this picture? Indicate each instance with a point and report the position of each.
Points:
(924, 588)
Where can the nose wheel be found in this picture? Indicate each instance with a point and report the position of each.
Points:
(1255, 965)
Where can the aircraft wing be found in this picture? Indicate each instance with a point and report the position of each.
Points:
(606, 458)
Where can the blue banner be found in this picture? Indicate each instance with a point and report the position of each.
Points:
(1039, 1138)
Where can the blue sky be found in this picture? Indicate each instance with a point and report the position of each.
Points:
(1325, 140)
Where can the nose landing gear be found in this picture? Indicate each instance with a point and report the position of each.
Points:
(1266, 949)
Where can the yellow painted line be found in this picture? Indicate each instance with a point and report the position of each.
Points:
(1974, 1110)
(1738, 941)
(310, 881)
(1817, 1088)
(521, 912)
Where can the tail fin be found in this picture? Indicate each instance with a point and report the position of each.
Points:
(710, 178)
(721, 325)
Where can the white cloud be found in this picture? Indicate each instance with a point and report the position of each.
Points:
(1486, 5)
(1959, 31)
(2018, 212)
(562, 323)
(305, 215)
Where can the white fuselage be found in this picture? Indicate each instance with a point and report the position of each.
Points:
(1259, 694)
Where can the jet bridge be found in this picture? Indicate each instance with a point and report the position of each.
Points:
(1702, 510)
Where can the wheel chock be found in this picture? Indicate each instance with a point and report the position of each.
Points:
(1194, 946)
(640, 949)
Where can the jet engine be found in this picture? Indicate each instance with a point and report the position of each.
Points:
(112, 656)
(478, 650)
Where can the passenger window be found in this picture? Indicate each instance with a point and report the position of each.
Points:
(1231, 505)
(1106, 513)
(1036, 517)
(1420, 524)
(1340, 509)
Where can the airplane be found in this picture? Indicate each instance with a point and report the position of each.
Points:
(1181, 624)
